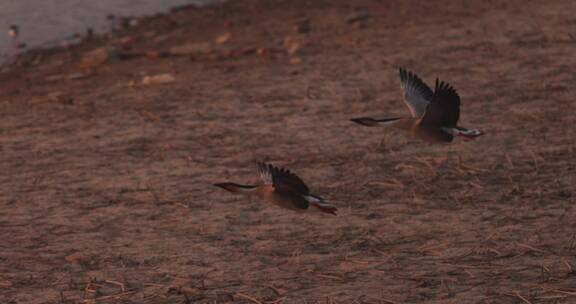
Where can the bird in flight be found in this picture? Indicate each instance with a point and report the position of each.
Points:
(282, 188)
(435, 113)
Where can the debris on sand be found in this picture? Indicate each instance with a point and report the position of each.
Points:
(223, 38)
(301, 25)
(60, 97)
(359, 15)
(75, 257)
(191, 49)
(97, 57)
(158, 79)
(295, 60)
(293, 45)
(54, 97)
(184, 290)
(58, 77)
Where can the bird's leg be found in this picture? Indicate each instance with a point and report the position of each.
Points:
(13, 49)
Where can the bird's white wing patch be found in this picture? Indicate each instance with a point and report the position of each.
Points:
(265, 173)
(417, 95)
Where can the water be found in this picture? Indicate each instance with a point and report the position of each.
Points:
(49, 22)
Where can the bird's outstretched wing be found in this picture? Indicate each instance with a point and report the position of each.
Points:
(417, 95)
(282, 179)
(444, 108)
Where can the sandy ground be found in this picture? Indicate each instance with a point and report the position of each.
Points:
(106, 182)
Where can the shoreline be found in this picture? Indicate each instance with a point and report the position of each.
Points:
(75, 39)
(43, 27)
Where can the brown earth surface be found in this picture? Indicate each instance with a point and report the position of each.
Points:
(107, 192)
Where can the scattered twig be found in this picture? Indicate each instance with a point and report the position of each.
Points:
(428, 165)
(569, 293)
(570, 269)
(153, 284)
(247, 297)
(469, 168)
(328, 276)
(537, 24)
(475, 185)
(110, 296)
(122, 287)
(275, 290)
(388, 301)
(279, 300)
(519, 296)
(186, 299)
(509, 160)
(530, 247)
(153, 192)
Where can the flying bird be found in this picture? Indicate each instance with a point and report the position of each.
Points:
(435, 113)
(283, 188)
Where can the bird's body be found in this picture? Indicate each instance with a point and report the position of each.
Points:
(412, 126)
(13, 31)
(435, 113)
(282, 188)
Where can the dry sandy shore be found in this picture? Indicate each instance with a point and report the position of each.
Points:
(106, 192)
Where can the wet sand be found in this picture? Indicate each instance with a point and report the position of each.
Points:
(106, 181)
